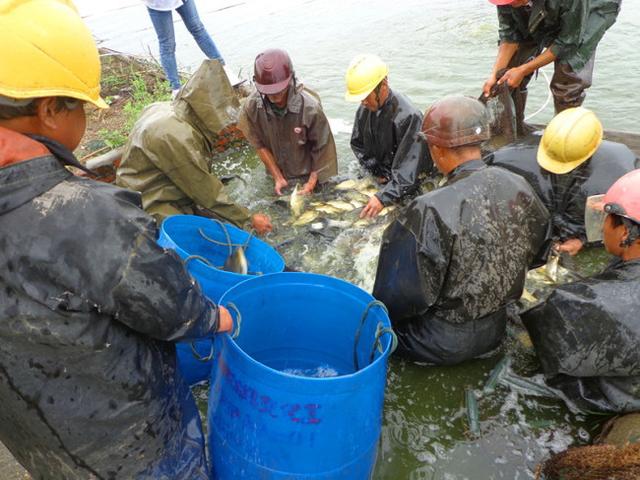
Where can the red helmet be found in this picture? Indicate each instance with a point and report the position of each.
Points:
(455, 121)
(273, 71)
(502, 2)
(623, 198)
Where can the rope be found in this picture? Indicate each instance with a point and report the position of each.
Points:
(236, 333)
(373, 303)
(199, 357)
(380, 331)
(197, 257)
(549, 97)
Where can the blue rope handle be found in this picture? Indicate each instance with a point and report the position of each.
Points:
(199, 357)
(380, 331)
(363, 319)
(197, 257)
(236, 332)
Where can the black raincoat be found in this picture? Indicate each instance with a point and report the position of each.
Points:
(89, 306)
(586, 335)
(565, 195)
(386, 144)
(455, 258)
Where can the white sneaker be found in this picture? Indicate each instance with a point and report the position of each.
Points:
(234, 79)
(174, 93)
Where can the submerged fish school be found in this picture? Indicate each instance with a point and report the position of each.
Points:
(114, 299)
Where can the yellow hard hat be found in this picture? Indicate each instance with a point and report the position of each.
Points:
(363, 75)
(569, 140)
(47, 51)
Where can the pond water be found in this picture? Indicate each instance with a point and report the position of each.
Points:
(433, 47)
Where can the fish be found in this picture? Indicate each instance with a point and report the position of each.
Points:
(528, 296)
(325, 223)
(347, 185)
(328, 209)
(387, 210)
(340, 205)
(551, 268)
(296, 201)
(354, 195)
(237, 262)
(307, 217)
(357, 204)
(497, 373)
(363, 222)
(473, 413)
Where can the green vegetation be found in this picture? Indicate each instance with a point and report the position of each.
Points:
(141, 91)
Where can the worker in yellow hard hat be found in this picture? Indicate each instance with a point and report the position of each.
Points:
(569, 163)
(88, 302)
(385, 134)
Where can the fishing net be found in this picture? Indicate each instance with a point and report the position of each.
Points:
(600, 462)
(502, 115)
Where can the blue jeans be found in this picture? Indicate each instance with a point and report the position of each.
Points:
(163, 25)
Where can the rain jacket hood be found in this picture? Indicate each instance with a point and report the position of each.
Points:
(565, 195)
(386, 144)
(89, 305)
(586, 335)
(453, 260)
(167, 156)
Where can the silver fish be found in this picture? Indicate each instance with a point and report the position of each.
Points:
(237, 262)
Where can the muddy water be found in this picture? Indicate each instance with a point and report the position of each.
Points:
(434, 48)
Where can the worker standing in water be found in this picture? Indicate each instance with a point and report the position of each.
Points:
(90, 305)
(168, 153)
(569, 163)
(586, 334)
(385, 134)
(285, 123)
(534, 33)
(456, 256)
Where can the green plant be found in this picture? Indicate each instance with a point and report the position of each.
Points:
(112, 138)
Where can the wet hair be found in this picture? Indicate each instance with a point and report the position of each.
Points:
(9, 111)
(632, 227)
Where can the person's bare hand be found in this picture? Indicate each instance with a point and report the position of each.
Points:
(571, 246)
(488, 85)
(513, 77)
(372, 209)
(280, 184)
(261, 223)
(226, 321)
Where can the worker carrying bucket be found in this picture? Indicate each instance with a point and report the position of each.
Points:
(456, 256)
(89, 305)
(586, 333)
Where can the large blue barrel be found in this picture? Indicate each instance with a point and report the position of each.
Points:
(286, 399)
(182, 233)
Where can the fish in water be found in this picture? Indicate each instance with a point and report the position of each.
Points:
(325, 223)
(296, 202)
(473, 413)
(328, 209)
(340, 205)
(307, 217)
(237, 262)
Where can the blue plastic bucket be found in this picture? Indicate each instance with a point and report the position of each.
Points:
(182, 233)
(270, 416)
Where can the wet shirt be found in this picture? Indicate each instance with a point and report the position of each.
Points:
(386, 144)
(586, 335)
(461, 252)
(168, 154)
(572, 29)
(89, 306)
(565, 195)
(299, 137)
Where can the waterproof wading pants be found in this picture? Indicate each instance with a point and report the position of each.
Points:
(439, 342)
(568, 87)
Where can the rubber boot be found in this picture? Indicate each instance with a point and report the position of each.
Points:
(520, 102)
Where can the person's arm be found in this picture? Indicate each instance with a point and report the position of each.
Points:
(573, 22)
(514, 76)
(267, 157)
(506, 51)
(156, 296)
(187, 167)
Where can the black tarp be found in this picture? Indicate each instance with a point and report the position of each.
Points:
(565, 195)
(453, 260)
(90, 306)
(586, 335)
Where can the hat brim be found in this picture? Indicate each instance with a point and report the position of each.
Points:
(274, 88)
(560, 168)
(356, 98)
(501, 2)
